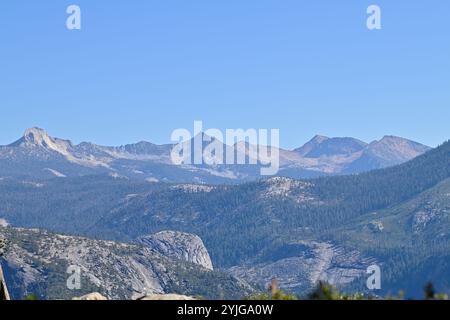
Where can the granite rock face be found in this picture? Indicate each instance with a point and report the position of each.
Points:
(53, 266)
(179, 245)
(301, 265)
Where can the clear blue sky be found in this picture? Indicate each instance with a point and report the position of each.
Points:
(139, 69)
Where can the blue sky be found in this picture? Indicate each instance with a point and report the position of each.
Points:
(140, 69)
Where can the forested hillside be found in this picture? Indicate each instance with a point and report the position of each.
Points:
(235, 222)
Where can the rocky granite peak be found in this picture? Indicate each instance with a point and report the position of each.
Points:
(37, 137)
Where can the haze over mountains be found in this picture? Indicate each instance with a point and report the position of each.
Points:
(38, 155)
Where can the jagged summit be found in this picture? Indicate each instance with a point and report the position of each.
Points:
(31, 136)
(36, 136)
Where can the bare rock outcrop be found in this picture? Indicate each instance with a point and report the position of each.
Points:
(179, 245)
(304, 264)
(162, 297)
(95, 296)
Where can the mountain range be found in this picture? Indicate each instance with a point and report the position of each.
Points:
(38, 155)
(300, 230)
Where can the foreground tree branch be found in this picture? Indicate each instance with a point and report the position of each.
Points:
(4, 295)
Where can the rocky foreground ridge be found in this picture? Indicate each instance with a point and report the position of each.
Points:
(47, 265)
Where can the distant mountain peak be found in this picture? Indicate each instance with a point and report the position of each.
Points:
(392, 138)
(323, 146)
(36, 136)
(311, 144)
(319, 138)
(34, 130)
(388, 151)
(397, 148)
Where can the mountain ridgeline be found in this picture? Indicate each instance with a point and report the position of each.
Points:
(39, 156)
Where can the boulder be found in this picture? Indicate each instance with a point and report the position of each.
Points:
(92, 296)
(161, 297)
